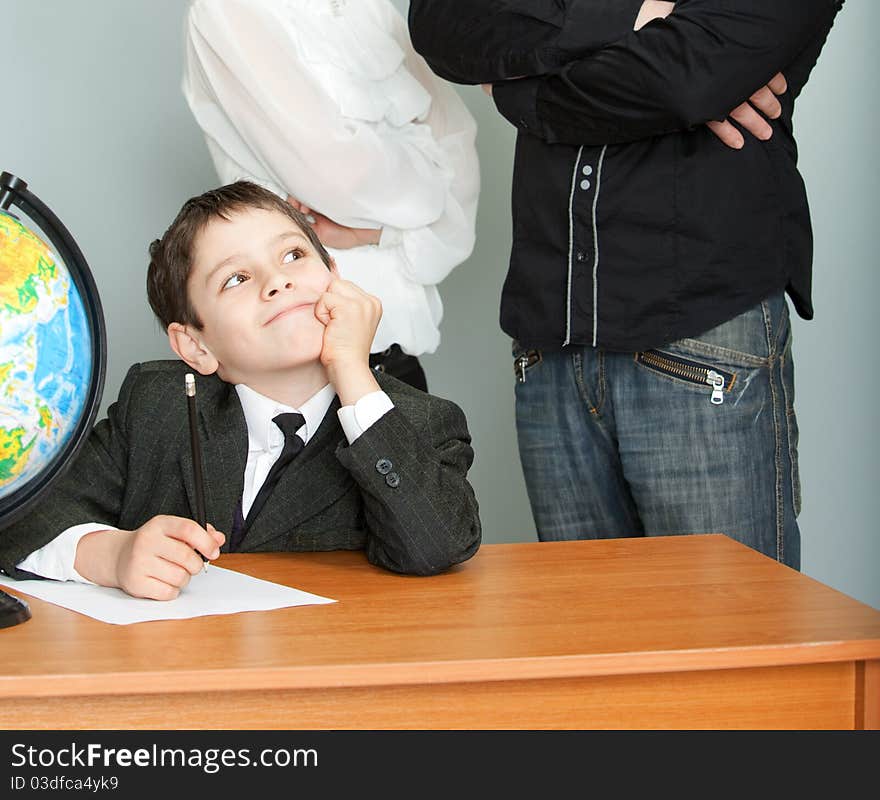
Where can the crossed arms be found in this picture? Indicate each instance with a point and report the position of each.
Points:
(618, 85)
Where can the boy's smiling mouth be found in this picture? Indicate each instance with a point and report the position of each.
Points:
(289, 310)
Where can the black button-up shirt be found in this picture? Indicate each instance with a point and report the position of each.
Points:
(633, 225)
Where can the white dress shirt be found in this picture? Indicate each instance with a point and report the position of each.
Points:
(327, 101)
(265, 442)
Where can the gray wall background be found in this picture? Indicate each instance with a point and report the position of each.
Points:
(93, 118)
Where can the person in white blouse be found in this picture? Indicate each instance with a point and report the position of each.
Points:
(325, 103)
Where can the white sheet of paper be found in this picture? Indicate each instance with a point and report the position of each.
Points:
(217, 591)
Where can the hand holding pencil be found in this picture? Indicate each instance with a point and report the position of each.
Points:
(154, 561)
(157, 559)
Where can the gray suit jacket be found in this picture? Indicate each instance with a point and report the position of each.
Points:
(418, 515)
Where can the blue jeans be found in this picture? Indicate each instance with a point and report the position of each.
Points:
(698, 436)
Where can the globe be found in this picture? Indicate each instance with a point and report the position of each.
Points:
(45, 364)
(52, 356)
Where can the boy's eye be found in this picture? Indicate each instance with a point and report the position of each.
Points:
(292, 255)
(236, 279)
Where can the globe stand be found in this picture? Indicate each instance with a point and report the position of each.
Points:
(14, 194)
(12, 610)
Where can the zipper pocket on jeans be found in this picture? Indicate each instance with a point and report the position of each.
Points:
(524, 361)
(691, 371)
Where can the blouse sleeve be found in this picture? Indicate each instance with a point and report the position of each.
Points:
(266, 120)
(428, 253)
(252, 96)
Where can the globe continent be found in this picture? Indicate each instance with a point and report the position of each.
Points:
(45, 356)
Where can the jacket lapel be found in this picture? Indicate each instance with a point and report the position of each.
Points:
(312, 482)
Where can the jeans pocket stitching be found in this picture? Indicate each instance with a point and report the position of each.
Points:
(717, 351)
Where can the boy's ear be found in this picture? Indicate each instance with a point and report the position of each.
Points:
(190, 349)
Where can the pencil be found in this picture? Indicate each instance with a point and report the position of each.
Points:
(195, 445)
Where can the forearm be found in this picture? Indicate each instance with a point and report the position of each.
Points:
(55, 560)
(676, 73)
(798, 72)
(420, 510)
(426, 254)
(482, 41)
(352, 382)
(44, 543)
(91, 489)
(97, 556)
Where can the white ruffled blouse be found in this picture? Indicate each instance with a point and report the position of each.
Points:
(326, 100)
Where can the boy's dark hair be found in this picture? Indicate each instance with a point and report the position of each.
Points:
(171, 256)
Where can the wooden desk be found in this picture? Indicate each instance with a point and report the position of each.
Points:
(676, 632)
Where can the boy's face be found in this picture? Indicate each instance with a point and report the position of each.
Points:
(254, 283)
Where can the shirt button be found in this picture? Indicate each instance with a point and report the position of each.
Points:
(587, 170)
(383, 466)
(585, 184)
(392, 479)
(581, 255)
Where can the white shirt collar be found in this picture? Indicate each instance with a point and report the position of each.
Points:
(263, 434)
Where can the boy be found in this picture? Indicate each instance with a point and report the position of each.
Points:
(252, 302)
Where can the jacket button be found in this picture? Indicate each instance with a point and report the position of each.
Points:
(581, 255)
(383, 466)
(585, 184)
(392, 479)
(587, 170)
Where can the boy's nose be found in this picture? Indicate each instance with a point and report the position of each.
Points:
(277, 284)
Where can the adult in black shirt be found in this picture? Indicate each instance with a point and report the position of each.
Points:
(650, 262)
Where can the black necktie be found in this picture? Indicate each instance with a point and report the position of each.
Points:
(289, 425)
